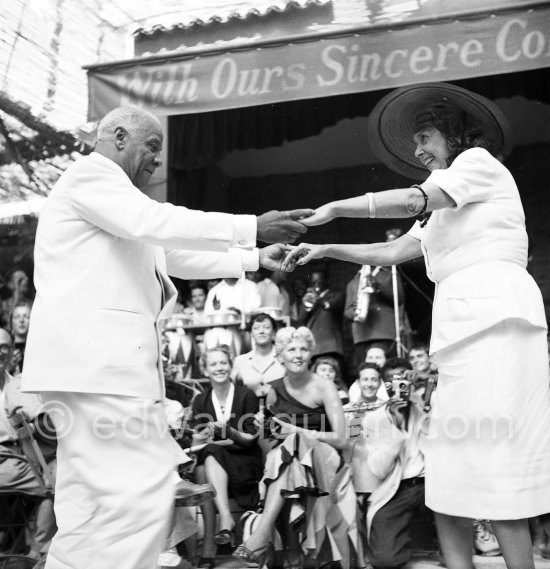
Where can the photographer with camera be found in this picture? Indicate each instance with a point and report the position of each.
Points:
(394, 503)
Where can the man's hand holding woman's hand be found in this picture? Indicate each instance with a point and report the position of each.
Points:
(282, 226)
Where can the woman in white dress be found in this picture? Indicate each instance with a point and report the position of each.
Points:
(487, 449)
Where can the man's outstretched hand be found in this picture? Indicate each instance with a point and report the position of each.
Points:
(272, 256)
(282, 226)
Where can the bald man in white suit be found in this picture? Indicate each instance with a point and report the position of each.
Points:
(102, 258)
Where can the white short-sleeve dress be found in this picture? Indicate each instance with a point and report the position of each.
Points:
(487, 449)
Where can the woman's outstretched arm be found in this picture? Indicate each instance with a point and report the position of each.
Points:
(404, 202)
(387, 253)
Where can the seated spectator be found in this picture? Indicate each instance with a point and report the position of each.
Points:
(15, 473)
(182, 524)
(306, 485)
(19, 328)
(377, 446)
(419, 358)
(257, 368)
(375, 355)
(19, 287)
(225, 412)
(197, 291)
(400, 496)
(329, 368)
(229, 294)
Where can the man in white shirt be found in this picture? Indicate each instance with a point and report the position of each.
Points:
(239, 294)
(93, 347)
(197, 290)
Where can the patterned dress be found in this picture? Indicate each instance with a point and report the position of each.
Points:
(323, 508)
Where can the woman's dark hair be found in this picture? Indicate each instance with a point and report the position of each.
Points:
(459, 129)
(335, 365)
(261, 317)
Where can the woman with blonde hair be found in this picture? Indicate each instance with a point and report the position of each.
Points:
(225, 412)
(306, 485)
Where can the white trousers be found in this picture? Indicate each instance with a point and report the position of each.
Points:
(114, 492)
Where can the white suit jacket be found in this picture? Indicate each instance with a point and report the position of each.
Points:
(103, 253)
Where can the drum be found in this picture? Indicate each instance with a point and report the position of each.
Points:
(219, 336)
(179, 343)
(223, 330)
(223, 317)
(274, 311)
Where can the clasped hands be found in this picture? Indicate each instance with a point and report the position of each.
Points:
(281, 228)
(208, 432)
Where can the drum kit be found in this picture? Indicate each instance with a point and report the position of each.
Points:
(184, 340)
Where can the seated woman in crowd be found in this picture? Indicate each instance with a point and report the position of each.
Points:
(329, 368)
(225, 412)
(306, 484)
(19, 328)
(257, 368)
(378, 442)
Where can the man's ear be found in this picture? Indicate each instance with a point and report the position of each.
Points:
(121, 136)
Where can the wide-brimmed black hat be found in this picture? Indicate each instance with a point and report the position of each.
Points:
(391, 123)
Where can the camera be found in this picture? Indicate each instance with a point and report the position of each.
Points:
(400, 386)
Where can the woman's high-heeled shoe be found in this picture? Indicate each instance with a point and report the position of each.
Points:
(293, 558)
(206, 563)
(225, 537)
(253, 559)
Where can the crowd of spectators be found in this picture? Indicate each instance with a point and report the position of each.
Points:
(348, 419)
(322, 453)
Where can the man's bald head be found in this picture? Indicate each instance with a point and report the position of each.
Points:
(132, 138)
(130, 117)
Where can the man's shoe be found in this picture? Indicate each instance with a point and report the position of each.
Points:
(545, 552)
(189, 494)
(485, 542)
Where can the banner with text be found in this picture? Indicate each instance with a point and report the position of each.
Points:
(379, 59)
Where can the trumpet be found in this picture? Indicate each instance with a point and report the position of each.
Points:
(310, 298)
(367, 286)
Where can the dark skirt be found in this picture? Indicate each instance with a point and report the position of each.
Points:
(244, 468)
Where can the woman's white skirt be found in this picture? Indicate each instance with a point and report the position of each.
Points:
(487, 448)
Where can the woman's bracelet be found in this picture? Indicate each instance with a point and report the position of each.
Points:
(425, 196)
